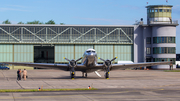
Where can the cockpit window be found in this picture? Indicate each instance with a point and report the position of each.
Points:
(89, 51)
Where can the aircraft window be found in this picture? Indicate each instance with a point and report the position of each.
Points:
(93, 51)
(88, 51)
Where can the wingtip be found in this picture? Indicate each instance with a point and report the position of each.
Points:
(116, 57)
(63, 57)
(98, 57)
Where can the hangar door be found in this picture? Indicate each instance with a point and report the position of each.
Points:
(23, 53)
(6, 53)
(69, 51)
(123, 52)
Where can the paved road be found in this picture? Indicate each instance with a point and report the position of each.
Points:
(123, 85)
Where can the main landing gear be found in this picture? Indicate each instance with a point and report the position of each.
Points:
(84, 74)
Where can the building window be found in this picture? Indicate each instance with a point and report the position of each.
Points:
(148, 51)
(164, 59)
(160, 10)
(164, 50)
(148, 10)
(156, 10)
(148, 40)
(163, 39)
(152, 10)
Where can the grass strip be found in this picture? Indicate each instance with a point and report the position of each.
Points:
(172, 70)
(45, 90)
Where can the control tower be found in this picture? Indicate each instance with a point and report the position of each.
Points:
(160, 36)
(159, 14)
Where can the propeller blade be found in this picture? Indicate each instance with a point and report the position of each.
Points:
(114, 59)
(79, 59)
(101, 59)
(66, 59)
(97, 73)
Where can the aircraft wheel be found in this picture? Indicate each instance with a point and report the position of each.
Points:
(72, 75)
(85, 74)
(82, 74)
(107, 75)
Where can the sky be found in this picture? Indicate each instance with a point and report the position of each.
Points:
(84, 12)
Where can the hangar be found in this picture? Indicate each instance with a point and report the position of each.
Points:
(154, 41)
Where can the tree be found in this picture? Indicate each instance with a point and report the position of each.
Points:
(6, 22)
(20, 23)
(62, 23)
(50, 22)
(35, 22)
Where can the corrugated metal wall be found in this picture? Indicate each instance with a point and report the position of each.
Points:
(6, 53)
(104, 51)
(64, 51)
(23, 53)
(80, 49)
(123, 52)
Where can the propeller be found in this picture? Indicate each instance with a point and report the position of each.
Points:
(107, 64)
(72, 65)
(73, 62)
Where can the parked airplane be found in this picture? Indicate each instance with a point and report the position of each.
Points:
(89, 64)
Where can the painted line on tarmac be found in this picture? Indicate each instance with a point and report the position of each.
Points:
(162, 86)
(92, 97)
(48, 84)
(4, 75)
(19, 84)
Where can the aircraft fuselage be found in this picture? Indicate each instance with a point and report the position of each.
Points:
(89, 58)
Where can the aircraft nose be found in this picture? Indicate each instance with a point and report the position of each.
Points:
(91, 56)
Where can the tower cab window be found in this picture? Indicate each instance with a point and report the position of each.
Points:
(152, 10)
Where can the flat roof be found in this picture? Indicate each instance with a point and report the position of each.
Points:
(159, 6)
(51, 25)
(160, 24)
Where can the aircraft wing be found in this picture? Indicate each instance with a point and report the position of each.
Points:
(41, 65)
(134, 65)
(65, 67)
(130, 65)
(81, 67)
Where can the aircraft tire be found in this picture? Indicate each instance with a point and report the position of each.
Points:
(107, 75)
(72, 75)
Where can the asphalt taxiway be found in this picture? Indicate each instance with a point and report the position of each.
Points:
(126, 85)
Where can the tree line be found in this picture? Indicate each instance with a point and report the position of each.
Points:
(32, 22)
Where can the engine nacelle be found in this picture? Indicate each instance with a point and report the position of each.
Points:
(107, 63)
(73, 63)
